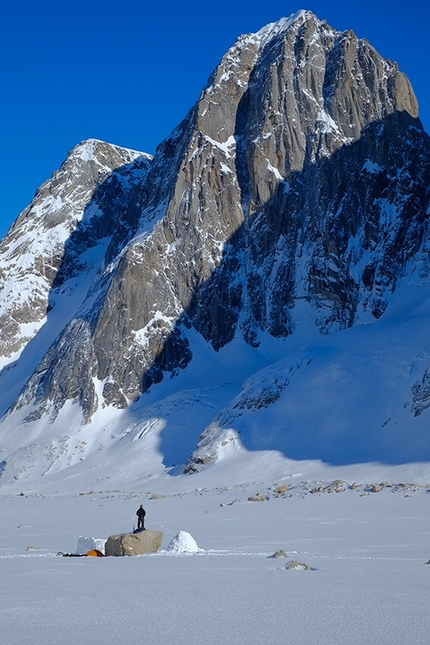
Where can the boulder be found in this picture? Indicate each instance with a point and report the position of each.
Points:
(134, 543)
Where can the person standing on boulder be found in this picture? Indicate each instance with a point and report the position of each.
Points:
(141, 517)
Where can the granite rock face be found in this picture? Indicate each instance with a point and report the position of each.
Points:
(297, 182)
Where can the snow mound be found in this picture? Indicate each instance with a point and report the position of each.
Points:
(88, 544)
(183, 542)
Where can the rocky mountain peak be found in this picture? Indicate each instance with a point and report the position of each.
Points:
(77, 208)
(290, 201)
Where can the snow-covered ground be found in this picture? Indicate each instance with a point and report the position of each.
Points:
(363, 542)
(366, 549)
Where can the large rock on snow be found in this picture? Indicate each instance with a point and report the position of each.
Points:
(134, 543)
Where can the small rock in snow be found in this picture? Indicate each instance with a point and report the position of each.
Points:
(279, 554)
(259, 497)
(293, 564)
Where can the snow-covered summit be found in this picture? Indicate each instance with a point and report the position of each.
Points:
(280, 26)
(98, 151)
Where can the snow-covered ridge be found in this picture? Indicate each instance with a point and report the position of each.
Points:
(88, 150)
(283, 24)
(35, 249)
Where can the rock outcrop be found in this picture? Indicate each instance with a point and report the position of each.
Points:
(145, 541)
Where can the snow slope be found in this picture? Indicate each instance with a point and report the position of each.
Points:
(361, 394)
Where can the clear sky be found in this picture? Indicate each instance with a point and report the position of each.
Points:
(128, 72)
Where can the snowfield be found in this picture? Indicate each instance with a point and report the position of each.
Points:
(366, 550)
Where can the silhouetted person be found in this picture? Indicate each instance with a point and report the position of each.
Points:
(141, 517)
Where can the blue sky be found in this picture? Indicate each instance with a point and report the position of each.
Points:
(128, 72)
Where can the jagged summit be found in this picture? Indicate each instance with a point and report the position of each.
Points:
(280, 26)
(289, 206)
(106, 155)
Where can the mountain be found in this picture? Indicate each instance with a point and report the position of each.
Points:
(260, 284)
